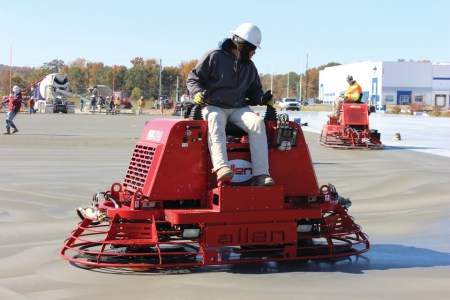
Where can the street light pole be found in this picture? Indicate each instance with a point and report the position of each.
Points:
(160, 75)
(307, 77)
(10, 69)
(113, 79)
(178, 88)
(287, 88)
(300, 83)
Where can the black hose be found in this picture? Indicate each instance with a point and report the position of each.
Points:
(271, 113)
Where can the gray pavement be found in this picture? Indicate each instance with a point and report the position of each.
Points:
(57, 162)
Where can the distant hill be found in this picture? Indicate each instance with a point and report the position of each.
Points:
(5, 67)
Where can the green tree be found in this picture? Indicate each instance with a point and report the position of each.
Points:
(118, 80)
(136, 93)
(152, 68)
(77, 80)
(145, 75)
(17, 79)
(54, 66)
(137, 76)
(183, 69)
(77, 75)
(169, 78)
(137, 61)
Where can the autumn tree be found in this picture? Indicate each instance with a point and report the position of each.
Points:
(169, 78)
(137, 76)
(77, 80)
(153, 68)
(184, 68)
(136, 93)
(118, 78)
(137, 61)
(54, 66)
(145, 75)
(17, 79)
(4, 82)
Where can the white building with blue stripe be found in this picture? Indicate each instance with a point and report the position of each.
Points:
(390, 83)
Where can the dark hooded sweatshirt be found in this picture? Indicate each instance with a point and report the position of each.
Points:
(226, 81)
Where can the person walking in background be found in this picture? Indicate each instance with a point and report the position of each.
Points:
(161, 105)
(81, 104)
(15, 102)
(117, 103)
(186, 97)
(141, 105)
(93, 104)
(226, 82)
(31, 103)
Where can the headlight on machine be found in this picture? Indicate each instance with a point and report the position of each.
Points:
(304, 228)
(190, 233)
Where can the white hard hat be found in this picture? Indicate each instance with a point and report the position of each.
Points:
(250, 33)
(16, 89)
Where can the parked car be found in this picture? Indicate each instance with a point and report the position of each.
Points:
(289, 104)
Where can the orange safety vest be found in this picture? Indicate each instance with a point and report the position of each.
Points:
(353, 92)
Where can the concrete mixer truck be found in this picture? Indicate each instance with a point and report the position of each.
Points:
(101, 97)
(53, 91)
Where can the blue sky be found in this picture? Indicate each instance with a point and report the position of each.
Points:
(114, 32)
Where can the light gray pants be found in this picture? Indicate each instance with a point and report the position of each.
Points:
(10, 119)
(338, 101)
(246, 119)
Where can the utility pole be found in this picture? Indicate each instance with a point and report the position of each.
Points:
(300, 83)
(160, 75)
(287, 88)
(10, 69)
(271, 82)
(306, 75)
(178, 88)
(114, 78)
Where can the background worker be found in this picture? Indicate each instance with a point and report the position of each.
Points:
(335, 106)
(214, 84)
(81, 103)
(354, 91)
(186, 97)
(15, 102)
(161, 105)
(352, 94)
(141, 105)
(30, 104)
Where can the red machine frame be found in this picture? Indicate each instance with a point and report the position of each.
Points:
(170, 212)
(351, 130)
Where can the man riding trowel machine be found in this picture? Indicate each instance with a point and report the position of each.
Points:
(162, 218)
(349, 128)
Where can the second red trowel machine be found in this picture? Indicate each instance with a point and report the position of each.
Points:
(170, 212)
(350, 130)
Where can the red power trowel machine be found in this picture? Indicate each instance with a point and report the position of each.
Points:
(351, 129)
(170, 212)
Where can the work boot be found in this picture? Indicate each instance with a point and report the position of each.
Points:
(7, 131)
(224, 173)
(262, 180)
(15, 130)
